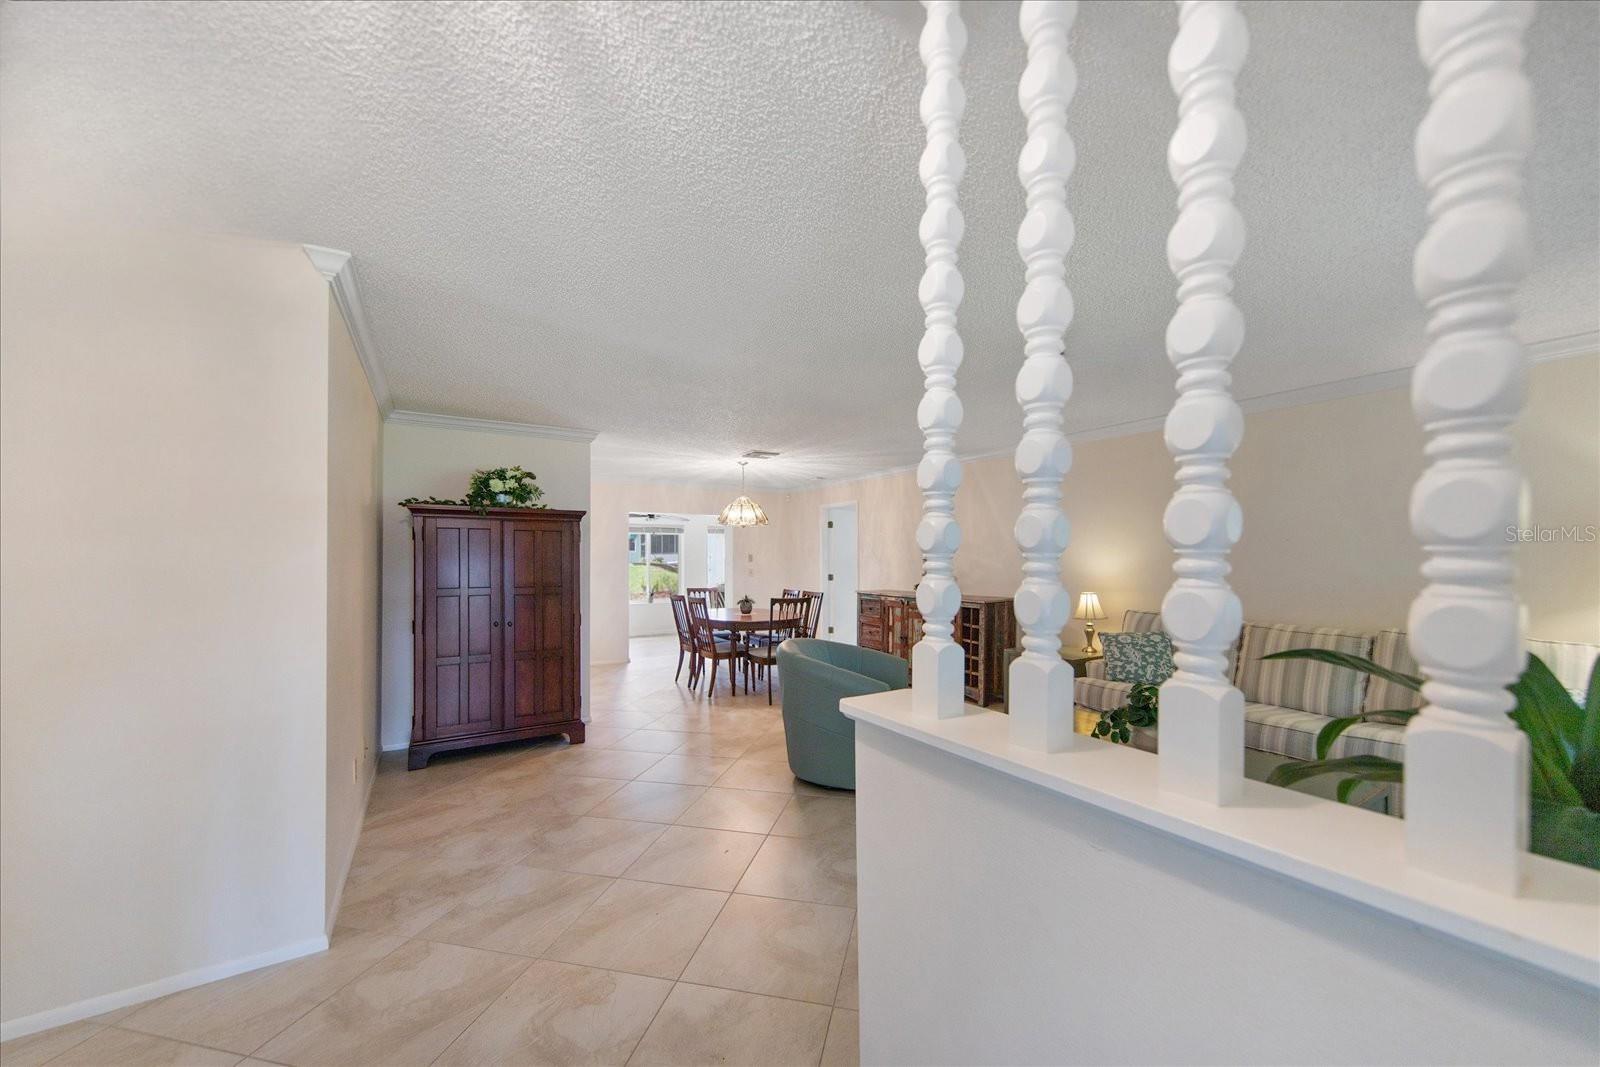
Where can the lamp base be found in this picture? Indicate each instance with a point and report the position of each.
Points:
(1088, 638)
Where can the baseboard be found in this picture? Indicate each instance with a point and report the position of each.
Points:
(88, 1009)
(355, 842)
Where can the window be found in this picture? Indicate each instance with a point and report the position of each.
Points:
(717, 559)
(653, 563)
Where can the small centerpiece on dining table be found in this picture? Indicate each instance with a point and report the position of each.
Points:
(746, 605)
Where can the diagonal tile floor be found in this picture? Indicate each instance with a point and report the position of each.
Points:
(667, 893)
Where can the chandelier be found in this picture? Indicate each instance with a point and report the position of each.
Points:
(743, 511)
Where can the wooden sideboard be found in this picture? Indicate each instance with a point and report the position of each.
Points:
(888, 621)
(495, 619)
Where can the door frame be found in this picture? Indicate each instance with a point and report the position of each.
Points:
(822, 558)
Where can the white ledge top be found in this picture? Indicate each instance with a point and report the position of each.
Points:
(1554, 925)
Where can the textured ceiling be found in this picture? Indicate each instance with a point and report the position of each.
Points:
(693, 226)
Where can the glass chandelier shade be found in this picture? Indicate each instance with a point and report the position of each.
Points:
(743, 511)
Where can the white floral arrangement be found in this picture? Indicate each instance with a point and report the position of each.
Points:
(502, 487)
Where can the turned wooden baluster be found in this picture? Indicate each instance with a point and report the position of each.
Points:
(1040, 682)
(1202, 714)
(936, 660)
(1466, 763)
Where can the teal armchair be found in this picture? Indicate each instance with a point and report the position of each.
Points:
(816, 676)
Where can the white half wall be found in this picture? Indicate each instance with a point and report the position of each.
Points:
(437, 458)
(164, 567)
(1002, 923)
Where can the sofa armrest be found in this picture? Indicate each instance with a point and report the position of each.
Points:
(1095, 668)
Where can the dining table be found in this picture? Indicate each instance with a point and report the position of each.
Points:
(757, 621)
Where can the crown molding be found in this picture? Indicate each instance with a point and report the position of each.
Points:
(339, 269)
(462, 422)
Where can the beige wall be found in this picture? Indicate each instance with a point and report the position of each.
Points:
(430, 460)
(355, 477)
(163, 561)
(1324, 488)
(753, 554)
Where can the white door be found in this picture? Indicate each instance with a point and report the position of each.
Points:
(839, 574)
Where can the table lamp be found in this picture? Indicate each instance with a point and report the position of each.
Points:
(1089, 610)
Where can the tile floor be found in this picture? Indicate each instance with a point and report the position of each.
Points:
(667, 893)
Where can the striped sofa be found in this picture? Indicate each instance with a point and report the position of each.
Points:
(1287, 702)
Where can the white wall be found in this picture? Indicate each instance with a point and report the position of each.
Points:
(355, 476)
(433, 460)
(163, 561)
(1001, 923)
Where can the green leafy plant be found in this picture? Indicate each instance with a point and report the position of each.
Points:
(501, 487)
(1563, 746)
(1140, 711)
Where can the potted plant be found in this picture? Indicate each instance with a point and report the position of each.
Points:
(1563, 744)
(746, 605)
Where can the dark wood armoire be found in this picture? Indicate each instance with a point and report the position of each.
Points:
(495, 624)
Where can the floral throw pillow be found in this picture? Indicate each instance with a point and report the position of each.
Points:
(1133, 657)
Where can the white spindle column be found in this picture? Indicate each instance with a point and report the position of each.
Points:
(1202, 714)
(936, 661)
(1040, 683)
(1466, 763)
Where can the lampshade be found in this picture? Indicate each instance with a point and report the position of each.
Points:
(743, 511)
(1089, 607)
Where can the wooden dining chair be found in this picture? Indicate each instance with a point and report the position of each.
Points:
(787, 618)
(793, 592)
(712, 594)
(813, 612)
(680, 618)
(708, 646)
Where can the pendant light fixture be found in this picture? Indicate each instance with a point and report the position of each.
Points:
(743, 511)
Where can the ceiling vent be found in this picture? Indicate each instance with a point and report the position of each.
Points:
(759, 453)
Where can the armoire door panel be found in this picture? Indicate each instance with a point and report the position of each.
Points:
(541, 585)
(448, 550)
(460, 641)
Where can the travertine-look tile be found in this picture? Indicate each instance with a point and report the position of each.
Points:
(784, 948)
(543, 795)
(687, 770)
(624, 720)
(648, 801)
(729, 746)
(641, 927)
(410, 895)
(591, 846)
(773, 776)
(650, 740)
(820, 869)
(692, 855)
(601, 762)
(35, 1049)
(699, 1025)
(844, 1040)
(746, 810)
(808, 816)
(849, 995)
(405, 1010)
(521, 911)
(561, 1014)
(124, 1048)
(240, 1013)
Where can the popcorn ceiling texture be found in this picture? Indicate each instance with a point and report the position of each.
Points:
(694, 226)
